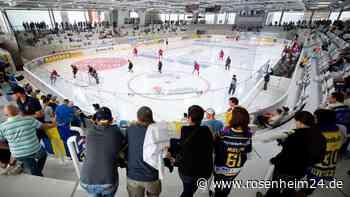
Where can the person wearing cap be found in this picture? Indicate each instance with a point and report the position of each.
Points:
(99, 173)
(214, 125)
(233, 85)
(27, 105)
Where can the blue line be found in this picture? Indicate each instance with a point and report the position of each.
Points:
(181, 61)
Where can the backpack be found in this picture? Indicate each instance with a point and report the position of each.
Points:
(343, 116)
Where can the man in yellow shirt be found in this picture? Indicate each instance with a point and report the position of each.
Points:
(233, 102)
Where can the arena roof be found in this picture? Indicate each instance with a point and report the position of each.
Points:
(173, 5)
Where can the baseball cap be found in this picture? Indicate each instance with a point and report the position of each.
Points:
(16, 89)
(210, 111)
(103, 114)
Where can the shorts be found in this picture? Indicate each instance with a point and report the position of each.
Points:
(5, 156)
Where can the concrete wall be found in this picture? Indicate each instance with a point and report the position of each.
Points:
(10, 45)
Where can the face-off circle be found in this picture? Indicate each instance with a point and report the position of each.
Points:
(168, 86)
(101, 63)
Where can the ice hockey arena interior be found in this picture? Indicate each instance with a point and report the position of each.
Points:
(174, 98)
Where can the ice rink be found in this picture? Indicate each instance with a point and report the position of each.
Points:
(171, 92)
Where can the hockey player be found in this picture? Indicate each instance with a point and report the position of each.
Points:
(160, 53)
(135, 52)
(228, 63)
(74, 70)
(233, 85)
(53, 77)
(94, 74)
(221, 55)
(196, 67)
(131, 65)
(160, 66)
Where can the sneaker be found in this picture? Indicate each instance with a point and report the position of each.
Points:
(259, 194)
(4, 171)
(12, 170)
(15, 170)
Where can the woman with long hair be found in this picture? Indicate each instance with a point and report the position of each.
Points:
(231, 149)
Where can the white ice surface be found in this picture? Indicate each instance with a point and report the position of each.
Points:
(125, 92)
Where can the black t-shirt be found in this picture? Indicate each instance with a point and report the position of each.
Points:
(300, 150)
(197, 151)
(29, 106)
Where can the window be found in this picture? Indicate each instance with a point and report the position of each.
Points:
(334, 16)
(273, 17)
(292, 17)
(181, 17)
(17, 17)
(3, 25)
(134, 14)
(164, 17)
(209, 18)
(173, 17)
(188, 17)
(320, 15)
(221, 18)
(231, 17)
(345, 16)
(58, 16)
(76, 16)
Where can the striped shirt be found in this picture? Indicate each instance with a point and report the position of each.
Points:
(20, 133)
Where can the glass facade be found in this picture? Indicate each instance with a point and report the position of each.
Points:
(18, 17)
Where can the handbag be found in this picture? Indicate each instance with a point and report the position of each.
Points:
(176, 147)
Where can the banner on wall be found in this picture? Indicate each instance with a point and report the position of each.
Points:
(61, 56)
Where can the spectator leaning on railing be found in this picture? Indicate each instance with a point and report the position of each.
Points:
(233, 102)
(142, 178)
(195, 159)
(64, 116)
(342, 111)
(303, 147)
(325, 170)
(231, 149)
(99, 173)
(29, 106)
(20, 132)
(214, 125)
